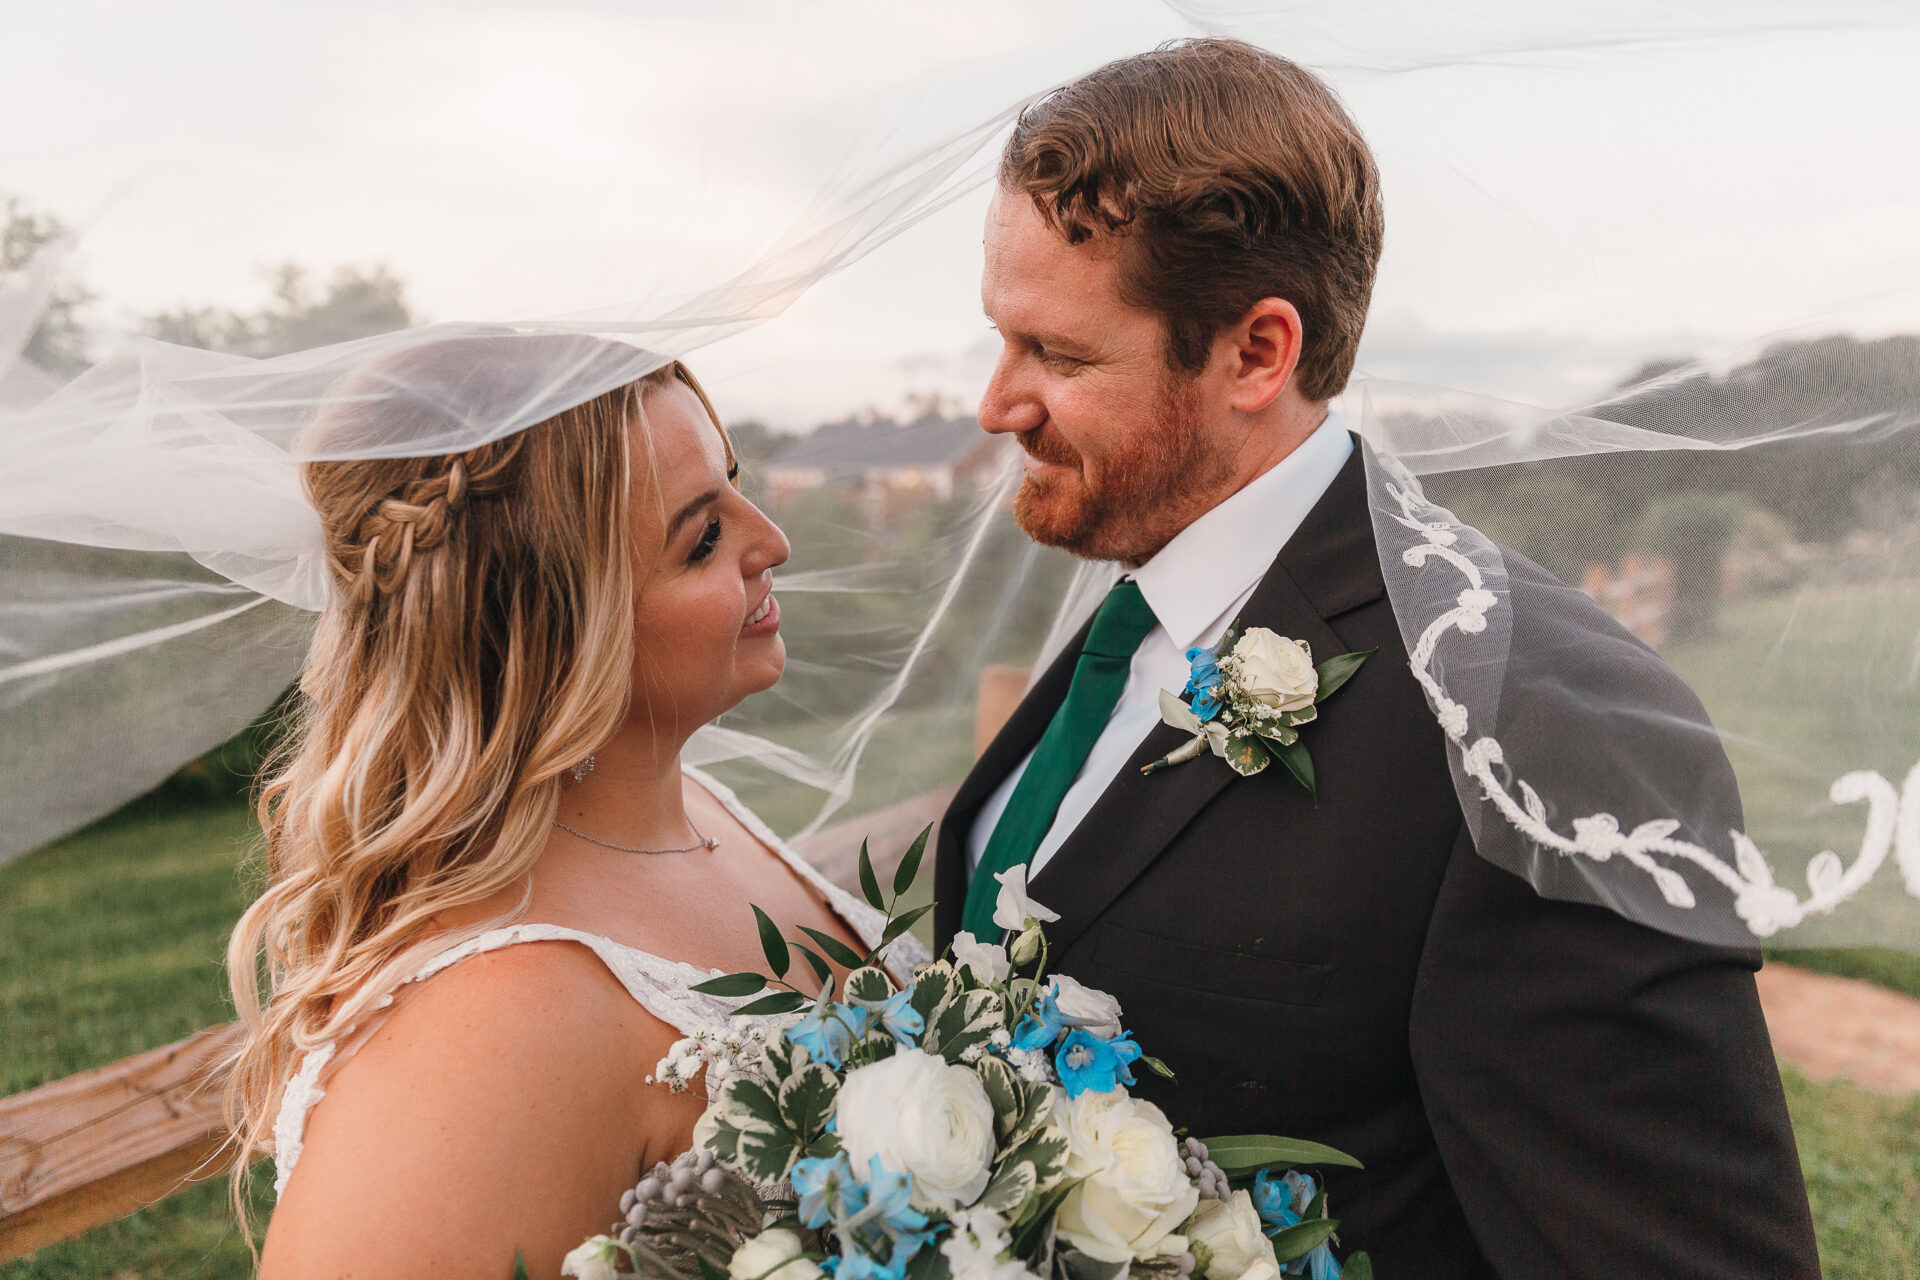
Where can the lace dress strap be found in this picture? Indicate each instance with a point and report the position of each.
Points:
(660, 986)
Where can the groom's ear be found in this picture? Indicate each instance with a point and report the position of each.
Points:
(1263, 348)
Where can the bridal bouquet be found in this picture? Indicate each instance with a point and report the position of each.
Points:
(973, 1125)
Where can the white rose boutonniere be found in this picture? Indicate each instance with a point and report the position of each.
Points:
(1246, 700)
(1275, 671)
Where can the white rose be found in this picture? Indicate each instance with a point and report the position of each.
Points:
(1135, 1192)
(988, 962)
(595, 1260)
(1276, 671)
(1012, 907)
(759, 1256)
(1086, 1007)
(1231, 1229)
(921, 1117)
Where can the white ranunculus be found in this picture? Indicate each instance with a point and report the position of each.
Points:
(921, 1117)
(1135, 1191)
(988, 962)
(1231, 1229)
(596, 1259)
(1276, 671)
(1012, 908)
(1087, 1007)
(761, 1255)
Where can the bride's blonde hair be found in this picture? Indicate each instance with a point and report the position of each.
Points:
(478, 645)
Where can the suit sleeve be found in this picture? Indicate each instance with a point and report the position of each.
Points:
(1604, 1096)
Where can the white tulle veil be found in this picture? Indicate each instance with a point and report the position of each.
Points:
(1751, 514)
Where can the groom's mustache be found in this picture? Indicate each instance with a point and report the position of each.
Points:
(1044, 446)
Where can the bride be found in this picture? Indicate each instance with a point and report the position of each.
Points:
(492, 880)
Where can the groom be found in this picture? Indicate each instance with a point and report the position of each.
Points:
(1178, 261)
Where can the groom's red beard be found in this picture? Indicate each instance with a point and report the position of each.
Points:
(1128, 501)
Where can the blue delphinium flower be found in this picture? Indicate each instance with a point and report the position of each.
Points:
(1204, 683)
(827, 1189)
(1087, 1063)
(1042, 1025)
(897, 1017)
(828, 1031)
(886, 1226)
(1320, 1263)
(1273, 1200)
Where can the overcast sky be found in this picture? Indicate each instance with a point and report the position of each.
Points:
(1570, 189)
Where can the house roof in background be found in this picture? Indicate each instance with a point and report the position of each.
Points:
(846, 448)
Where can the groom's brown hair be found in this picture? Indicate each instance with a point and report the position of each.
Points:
(1232, 175)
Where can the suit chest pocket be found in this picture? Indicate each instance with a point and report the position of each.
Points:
(1175, 963)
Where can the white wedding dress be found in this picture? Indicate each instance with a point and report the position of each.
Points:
(662, 987)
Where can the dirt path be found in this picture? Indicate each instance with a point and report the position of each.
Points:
(1830, 1027)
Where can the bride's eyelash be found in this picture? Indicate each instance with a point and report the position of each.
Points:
(709, 539)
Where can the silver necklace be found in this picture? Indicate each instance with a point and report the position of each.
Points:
(706, 842)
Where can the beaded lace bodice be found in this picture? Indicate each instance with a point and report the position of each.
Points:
(661, 986)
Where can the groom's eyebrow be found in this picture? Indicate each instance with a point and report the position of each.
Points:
(688, 512)
(1052, 341)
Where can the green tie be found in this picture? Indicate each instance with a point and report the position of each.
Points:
(1098, 677)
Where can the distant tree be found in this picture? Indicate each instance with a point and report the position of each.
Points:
(357, 303)
(58, 343)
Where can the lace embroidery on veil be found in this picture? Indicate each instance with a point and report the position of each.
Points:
(661, 986)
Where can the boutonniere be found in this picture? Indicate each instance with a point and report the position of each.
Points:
(1246, 700)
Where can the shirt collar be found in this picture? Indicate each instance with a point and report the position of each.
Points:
(1218, 558)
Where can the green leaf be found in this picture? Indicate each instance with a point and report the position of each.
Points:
(1003, 1092)
(708, 1270)
(732, 984)
(1298, 763)
(1358, 1267)
(816, 962)
(900, 925)
(903, 875)
(1248, 755)
(1318, 1209)
(931, 986)
(1301, 1240)
(1335, 672)
(869, 986)
(519, 1266)
(772, 944)
(778, 1002)
(1010, 1188)
(841, 954)
(1244, 1153)
(1038, 1216)
(806, 1098)
(928, 1264)
(870, 883)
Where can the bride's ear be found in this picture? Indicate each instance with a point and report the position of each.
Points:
(1265, 348)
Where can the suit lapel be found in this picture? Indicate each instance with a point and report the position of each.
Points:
(1328, 567)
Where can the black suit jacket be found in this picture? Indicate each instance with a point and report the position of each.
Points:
(1537, 1088)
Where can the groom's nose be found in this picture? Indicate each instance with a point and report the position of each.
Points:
(1007, 405)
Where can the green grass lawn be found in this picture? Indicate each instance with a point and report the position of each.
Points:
(110, 943)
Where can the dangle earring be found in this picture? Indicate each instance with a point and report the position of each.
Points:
(581, 770)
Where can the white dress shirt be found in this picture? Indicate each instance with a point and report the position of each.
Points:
(1196, 586)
